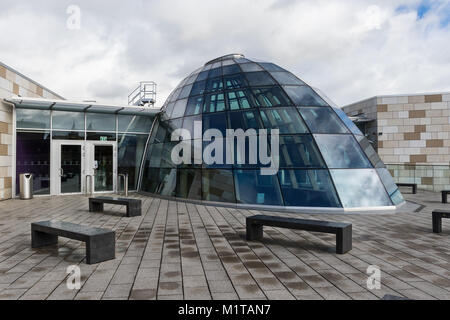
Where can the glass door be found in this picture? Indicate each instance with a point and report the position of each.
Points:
(101, 164)
(103, 168)
(67, 167)
(70, 169)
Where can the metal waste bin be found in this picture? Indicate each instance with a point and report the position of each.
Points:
(26, 186)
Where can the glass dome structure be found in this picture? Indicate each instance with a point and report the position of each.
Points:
(324, 159)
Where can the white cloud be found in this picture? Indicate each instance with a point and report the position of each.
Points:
(349, 49)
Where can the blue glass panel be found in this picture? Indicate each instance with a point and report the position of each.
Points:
(232, 69)
(198, 88)
(202, 76)
(251, 67)
(185, 92)
(213, 73)
(240, 99)
(194, 105)
(259, 79)
(299, 151)
(304, 96)
(287, 120)
(360, 188)
(322, 120)
(271, 67)
(33, 119)
(214, 103)
(270, 97)
(341, 151)
(286, 78)
(244, 120)
(189, 184)
(212, 158)
(308, 188)
(349, 123)
(128, 123)
(160, 181)
(100, 122)
(188, 124)
(214, 84)
(235, 81)
(63, 120)
(179, 108)
(129, 157)
(242, 60)
(370, 152)
(390, 185)
(215, 121)
(218, 185)
(169, 109)
(253, 188)
(170, 127)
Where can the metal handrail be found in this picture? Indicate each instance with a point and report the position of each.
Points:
(125, 183)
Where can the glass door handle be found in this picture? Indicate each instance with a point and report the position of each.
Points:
(61, 172)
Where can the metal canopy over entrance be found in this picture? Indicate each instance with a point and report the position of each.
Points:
(64, 105)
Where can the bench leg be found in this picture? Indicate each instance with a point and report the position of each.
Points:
(437, 223)
(42, 239)
(344, 240)
(414, 189)
(254, 231)
(101, 248)
(444, 197)
(95, 206)
(134, 209)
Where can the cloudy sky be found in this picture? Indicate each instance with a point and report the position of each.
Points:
(350, 49)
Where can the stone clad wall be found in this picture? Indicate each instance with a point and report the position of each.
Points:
(413, 136)
(13, 83)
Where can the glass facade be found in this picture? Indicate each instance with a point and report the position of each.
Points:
(324, 160)
(37, 128)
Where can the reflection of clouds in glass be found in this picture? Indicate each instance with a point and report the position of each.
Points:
(360, 188)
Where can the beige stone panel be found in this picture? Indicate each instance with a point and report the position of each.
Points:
(439, 106)
(2, 72)
(7, 194)
(5, 161)
(2, 183)
(390, 159)
(441, 120)
(433, 113)
(403, 114)
(395, 107)
(15, 88)
(4, 127)
(416, 99)
(6, 117)
(32, 86)
(390, 129)
(6, 84)
(39, 91)
(404, 144)
(386, 151)
(433, 98)
(412, 136)
(385, 115)
(403, 159)
(418, 158)
(408, 107)
(422, 106)
(404, 129)
(4, 172)
(434, 128)
(3, 150)
(6, 139)
(390, 144)
(417, 114)
(11, 76)
(389, 100)
(382, 108)
(420, 128)
(446, 97)
(443, 151)
(427, 181)
(417, 143)
(425, 120)
(382, 122)
(429, 151)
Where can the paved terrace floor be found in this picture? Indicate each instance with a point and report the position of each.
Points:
(186, 251)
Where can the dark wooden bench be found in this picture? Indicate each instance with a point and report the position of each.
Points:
(100, 243)
(444, 195)
(343, 231)
(437, 219)
(411, 185)
(134, 206)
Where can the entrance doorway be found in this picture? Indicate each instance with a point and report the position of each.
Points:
(73, 161)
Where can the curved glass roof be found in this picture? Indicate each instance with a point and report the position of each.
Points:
(324, 160)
